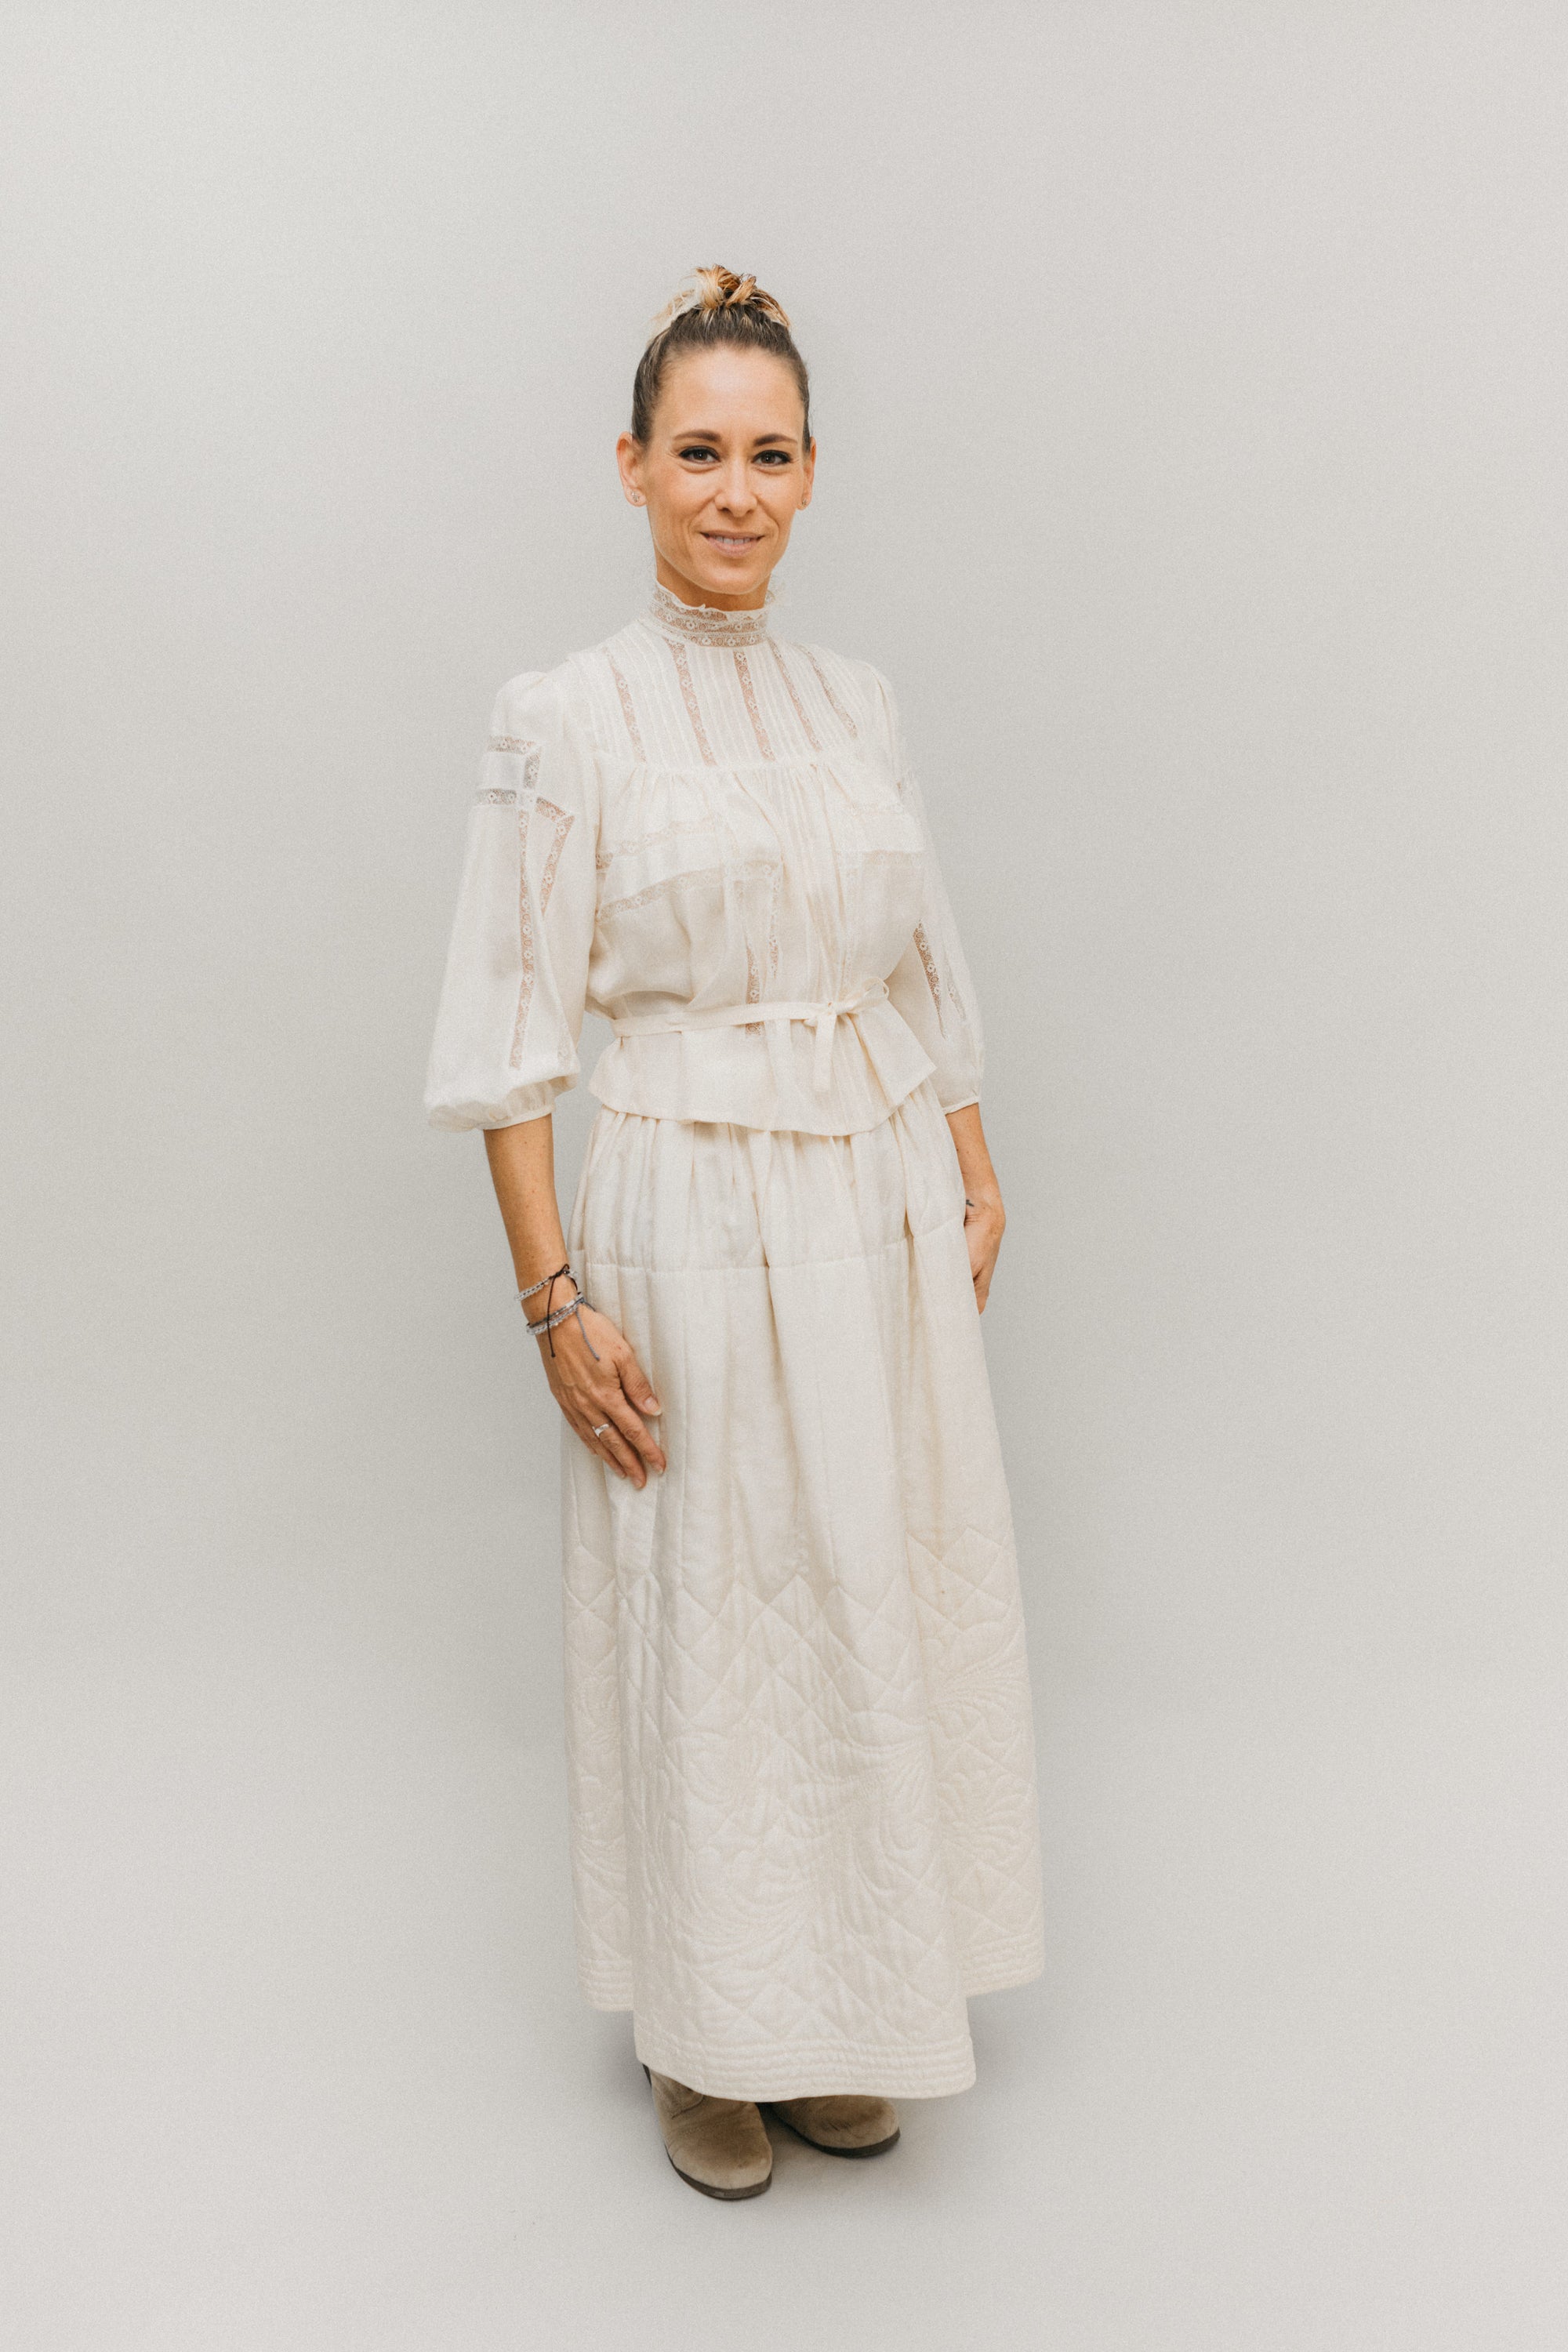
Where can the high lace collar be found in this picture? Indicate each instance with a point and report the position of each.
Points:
(705, 624)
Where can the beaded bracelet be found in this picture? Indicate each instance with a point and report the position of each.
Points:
(544, 1279)
(558, 1315)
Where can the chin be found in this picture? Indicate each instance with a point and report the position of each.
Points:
(732, 575)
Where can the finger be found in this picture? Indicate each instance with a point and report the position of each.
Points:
(630, 1426)
(616, 1448)
(637, 1385)
(596, 1440)
(627, 1458)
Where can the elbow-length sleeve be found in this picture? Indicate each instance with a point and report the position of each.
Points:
(930, 984)
(517, 969)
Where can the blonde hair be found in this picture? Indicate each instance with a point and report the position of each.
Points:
(715, 307)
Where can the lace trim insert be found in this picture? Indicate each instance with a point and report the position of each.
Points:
(606, 857)
(494, 799)
(783, 668)
(628, 709)
(689, 696)
(743, 672)
(932, 976)
(822, 681)
(564, 818)
(705, 624)
(562, 822)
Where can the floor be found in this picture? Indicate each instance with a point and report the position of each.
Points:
(296, 2062)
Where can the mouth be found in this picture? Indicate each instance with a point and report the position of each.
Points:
(733, 542)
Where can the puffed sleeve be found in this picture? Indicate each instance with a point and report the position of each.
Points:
(517, 969)
(930, 984)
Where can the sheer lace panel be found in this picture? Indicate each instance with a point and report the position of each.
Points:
(704, 625)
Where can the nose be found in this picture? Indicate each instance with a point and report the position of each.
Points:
(734, 489)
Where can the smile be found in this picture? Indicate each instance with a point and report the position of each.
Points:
(733, 542)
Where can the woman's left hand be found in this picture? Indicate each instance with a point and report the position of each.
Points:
(984, 1221)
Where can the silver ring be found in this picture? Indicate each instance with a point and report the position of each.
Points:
(600, 1431)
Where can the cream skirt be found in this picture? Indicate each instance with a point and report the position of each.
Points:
(799, 1740)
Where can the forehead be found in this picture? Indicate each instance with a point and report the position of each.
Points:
(745, 393)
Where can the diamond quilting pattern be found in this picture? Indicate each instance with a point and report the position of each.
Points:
(800, 1745)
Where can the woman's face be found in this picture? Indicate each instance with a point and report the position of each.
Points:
(722, 474)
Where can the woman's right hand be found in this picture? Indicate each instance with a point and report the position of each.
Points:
(614, 1390)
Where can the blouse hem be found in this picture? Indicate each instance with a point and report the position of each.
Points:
(732, 1077)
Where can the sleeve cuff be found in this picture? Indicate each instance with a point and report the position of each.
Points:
(522, 1104)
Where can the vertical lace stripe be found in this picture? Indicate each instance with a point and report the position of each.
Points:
(689, 696)
(743, 672)
(524, 913)
(628, 711)
(822, 681)
(932, 976)
(563, 820)
(789, 689)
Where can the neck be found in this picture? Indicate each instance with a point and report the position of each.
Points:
(690, 592)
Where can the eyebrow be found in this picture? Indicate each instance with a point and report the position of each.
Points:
(706, 433)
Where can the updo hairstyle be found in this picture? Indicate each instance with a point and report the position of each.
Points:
(717, 308)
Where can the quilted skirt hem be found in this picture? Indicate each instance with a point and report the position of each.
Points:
(612, 1993)
(1001, 1970)
(809, 2070)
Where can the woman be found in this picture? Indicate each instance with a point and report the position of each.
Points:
(800, 1749)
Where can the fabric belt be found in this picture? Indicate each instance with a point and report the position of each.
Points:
(823, 1017)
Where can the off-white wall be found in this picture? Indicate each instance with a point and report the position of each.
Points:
(1189, 391)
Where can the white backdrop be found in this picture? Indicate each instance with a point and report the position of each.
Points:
(1190, 387)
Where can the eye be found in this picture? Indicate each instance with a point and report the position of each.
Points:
(776, 457)
(696, 451)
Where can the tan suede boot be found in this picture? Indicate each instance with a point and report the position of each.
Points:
(716, 2145)
(842, 2124)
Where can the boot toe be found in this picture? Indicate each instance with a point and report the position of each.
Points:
(842, 2124)
(719, 2146)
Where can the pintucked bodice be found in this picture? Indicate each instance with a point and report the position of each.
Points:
(693, 818)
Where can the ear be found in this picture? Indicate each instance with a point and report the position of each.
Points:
(808, 473)
(628, 458)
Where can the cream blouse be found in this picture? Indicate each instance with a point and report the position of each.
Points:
(693, 819)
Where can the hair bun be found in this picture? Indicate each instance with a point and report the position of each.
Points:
(718, 288)
(716, 306)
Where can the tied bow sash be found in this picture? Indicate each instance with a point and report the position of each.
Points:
(824, 1018)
